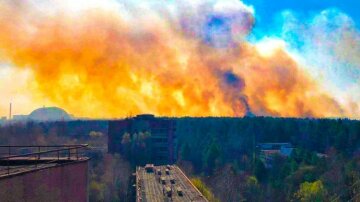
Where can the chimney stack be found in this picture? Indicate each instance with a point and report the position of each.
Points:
(10, 112)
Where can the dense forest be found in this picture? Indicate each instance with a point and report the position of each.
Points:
(235, 137)
(222, 156)
(223, 151)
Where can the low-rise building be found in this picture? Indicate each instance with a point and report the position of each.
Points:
(267, 151)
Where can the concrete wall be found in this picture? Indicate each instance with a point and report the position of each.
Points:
(61, 183)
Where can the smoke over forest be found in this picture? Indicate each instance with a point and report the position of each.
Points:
(193, 58)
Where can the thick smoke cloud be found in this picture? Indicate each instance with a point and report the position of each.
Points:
(329, 44)
(116, 58)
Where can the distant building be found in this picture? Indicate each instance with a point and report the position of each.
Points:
(162, 135)
(20, 118)
(2, 120)
(321, 155)
(268, 150)
(44, 114)
(49, 114)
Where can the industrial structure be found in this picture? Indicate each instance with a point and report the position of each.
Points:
(165, 183)
(43, 114)
(43, 173)
(161, 131)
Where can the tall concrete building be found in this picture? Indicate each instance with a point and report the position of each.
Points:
(161, 130)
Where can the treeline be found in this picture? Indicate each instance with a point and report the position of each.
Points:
(324, 166)
(12, 133)
(205, 140)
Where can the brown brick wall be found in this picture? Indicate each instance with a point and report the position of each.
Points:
(61, 183)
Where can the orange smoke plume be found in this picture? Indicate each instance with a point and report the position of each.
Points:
(99, 63)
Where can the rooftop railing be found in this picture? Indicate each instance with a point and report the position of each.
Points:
(22, 158)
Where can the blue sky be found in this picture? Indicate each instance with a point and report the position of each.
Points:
(304, 21)
(266, 11)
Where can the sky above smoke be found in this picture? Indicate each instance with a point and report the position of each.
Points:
(115, 58)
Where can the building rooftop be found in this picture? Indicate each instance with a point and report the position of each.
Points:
(145, 116)
(16, 160)
(274, 146)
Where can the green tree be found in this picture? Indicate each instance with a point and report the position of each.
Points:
(311, 191)
(200, 185)
(96, 190)
(126, 139)
(211, 157)
(260, 171)
(185, 152)
(252, 186)
(126, 145)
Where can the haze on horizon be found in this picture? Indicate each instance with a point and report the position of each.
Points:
(113, 58)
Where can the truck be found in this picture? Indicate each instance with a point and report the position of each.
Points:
(149, 168)
(168, 191)
(179, 191)
(163, 180)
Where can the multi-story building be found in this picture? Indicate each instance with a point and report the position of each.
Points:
(161, 133)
